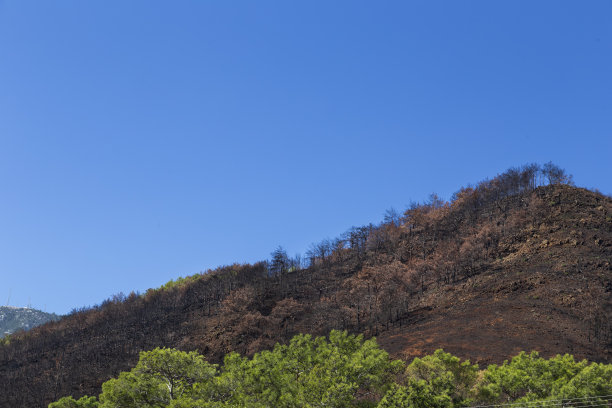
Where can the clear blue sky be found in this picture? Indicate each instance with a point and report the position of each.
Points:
(145, 140)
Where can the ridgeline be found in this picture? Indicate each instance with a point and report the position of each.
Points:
(518, 262)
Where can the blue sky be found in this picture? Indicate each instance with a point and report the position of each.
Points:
(145, 140)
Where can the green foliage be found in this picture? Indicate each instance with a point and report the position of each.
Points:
(445, 376)
(200, 403)
(179, 282)
(69, 402)
(593, 380)
(528, 377)
(161, 376)
(307, 373)
(341, 371)
(418, 394)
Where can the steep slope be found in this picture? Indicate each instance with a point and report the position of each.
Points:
(22, 318)
(503, 267)
(551, 292)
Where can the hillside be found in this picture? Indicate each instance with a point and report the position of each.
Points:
(22, 318)
(549, 289)
(505, 266)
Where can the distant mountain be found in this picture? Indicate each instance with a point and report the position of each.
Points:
(15, 318)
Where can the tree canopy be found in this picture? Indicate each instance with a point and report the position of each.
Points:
(342, 371)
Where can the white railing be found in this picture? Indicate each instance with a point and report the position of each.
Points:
(601, 401)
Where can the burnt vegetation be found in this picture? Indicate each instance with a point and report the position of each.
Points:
(517, 262)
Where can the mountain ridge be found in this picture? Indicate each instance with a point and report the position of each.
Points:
(13, 318)
(506, 265)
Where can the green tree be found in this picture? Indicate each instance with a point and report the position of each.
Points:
(445, 374)
(308, 372)
(343, 371)
(528, 377)
(594, 380)
(418, 394)
(185, 402)
(161, 376)
(69, 402)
